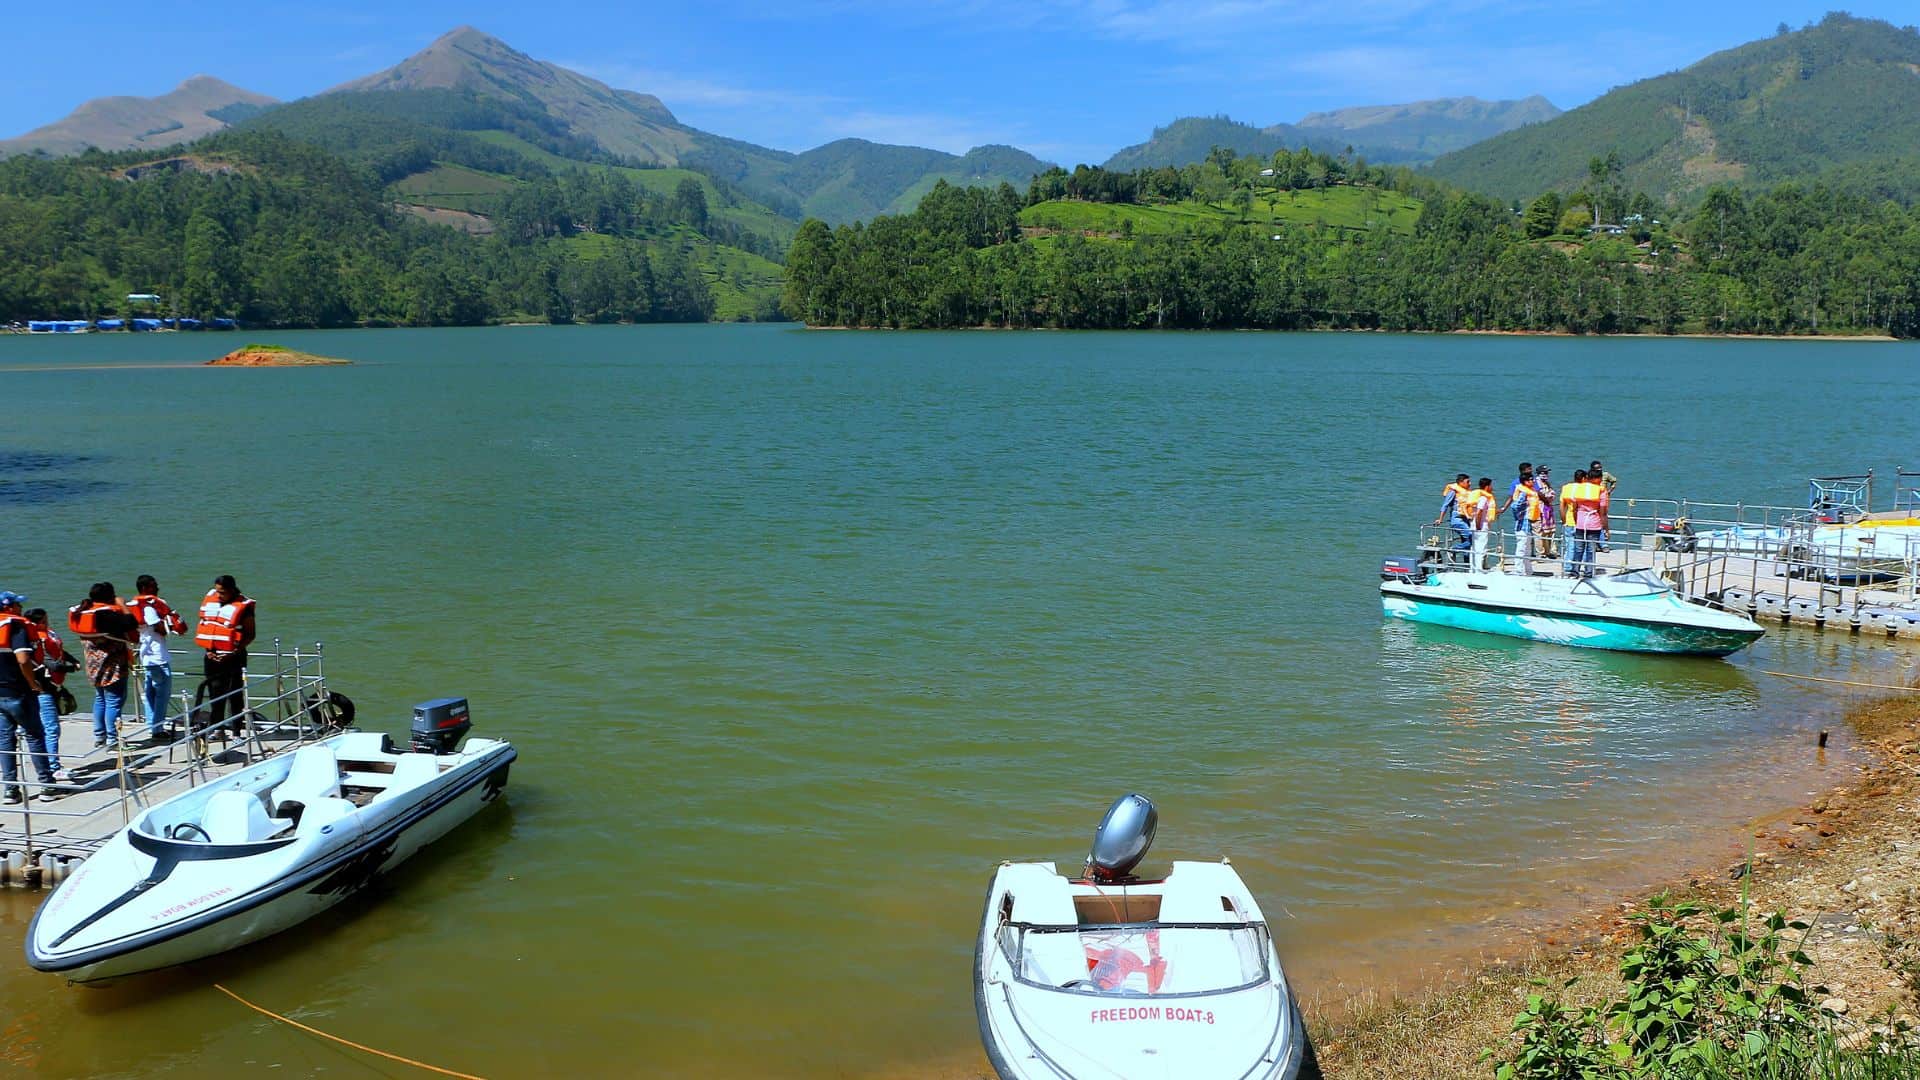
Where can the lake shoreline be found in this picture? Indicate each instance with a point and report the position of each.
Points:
(1876, 338)
(1844, 856)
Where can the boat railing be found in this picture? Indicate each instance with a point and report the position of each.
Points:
(282, 703)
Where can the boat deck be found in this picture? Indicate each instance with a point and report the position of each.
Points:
(111, 784)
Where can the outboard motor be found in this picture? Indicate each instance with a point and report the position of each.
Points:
(1123, 838)
(439, 725)
(1407, 570)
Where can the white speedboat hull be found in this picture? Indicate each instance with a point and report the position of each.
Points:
(145, 901)
(1185, 1016)
(1637, 615)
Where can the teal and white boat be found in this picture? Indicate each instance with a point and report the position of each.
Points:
(1631, 612)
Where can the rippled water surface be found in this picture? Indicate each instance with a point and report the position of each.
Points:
(800, 633)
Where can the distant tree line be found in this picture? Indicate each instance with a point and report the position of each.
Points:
(1787, 260)
(275, 231)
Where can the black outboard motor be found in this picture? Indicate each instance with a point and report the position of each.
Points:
(1407, 570)
(439, 725)
(1122, 839)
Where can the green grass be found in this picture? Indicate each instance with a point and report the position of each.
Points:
(1336, 207)
(453, 187)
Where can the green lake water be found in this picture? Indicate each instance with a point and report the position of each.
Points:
(799, 633)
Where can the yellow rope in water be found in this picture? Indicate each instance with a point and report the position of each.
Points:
(1841, 682)
(344, 1042)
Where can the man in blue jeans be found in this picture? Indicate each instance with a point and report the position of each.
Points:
(19, 705)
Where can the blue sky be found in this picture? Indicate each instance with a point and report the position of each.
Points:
(1070, 80)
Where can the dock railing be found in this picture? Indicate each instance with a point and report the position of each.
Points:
(281, 703)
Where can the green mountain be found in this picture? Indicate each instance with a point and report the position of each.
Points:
(854, 179)
(1387, 134)
(200, 106)
(1843, 92)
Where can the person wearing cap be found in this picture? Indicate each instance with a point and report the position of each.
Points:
(19, 711)
(1548, 541)
(1598, 474)
(225, 630)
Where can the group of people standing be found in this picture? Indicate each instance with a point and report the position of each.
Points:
(121, 640)
(1539, 512)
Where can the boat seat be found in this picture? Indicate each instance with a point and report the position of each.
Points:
(321, 812)
(411, 771)
(314, 775)
(360, 746)
(237, 817)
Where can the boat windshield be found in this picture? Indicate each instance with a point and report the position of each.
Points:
(1647, 580)
(1139, 959)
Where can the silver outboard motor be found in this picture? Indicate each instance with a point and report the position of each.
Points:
(1123, 838)
(439, 725)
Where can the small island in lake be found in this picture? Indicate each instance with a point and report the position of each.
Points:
(272, 356)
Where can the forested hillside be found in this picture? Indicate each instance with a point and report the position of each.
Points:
(1844, 91)
(1789, 260)
(256, 225)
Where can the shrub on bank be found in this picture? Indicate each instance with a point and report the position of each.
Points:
(1710, 995)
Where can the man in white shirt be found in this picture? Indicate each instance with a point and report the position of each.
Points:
(156, 619)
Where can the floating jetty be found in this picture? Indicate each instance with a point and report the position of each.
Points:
(286, 704)
(1833, 564)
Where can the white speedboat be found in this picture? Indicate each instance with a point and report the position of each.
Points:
(1631, 612)
(1109, 976)
(261, 849)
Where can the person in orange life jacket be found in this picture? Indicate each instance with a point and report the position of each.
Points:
(155, 619)
(1453, 499)
(19, 714)
(1480, 515)
(1525, 503)
(103, 624)
(1598, 474)
(50, 666)
(225, 631)
(1584, 506)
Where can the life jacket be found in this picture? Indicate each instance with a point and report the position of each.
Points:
(168, 623)
(1573, 495)
(1524, 491)
(6, 631)
(219, 630)
(83, 618)
(48, 651)
(1471, 504)
(1460, 493)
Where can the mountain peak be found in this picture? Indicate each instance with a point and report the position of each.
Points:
(199, 106)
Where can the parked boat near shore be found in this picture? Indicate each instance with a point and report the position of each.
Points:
(1632, 612)
(1109, 975)
(260, 850)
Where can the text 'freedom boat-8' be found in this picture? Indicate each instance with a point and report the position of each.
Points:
(1112, 976)
(257, 851)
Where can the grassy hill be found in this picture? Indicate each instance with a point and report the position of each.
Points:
(1844, 91)
(1356, 208)
(199, 106)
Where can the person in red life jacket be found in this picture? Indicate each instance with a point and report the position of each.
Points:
(50, 666)
(155, 619)
(103, 624)
(19, 715)
(225, 631)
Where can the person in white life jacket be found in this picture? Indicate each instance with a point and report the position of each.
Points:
(225, 630)
(155, 619)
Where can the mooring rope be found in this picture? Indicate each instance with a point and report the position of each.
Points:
(1841, 682)
(344, 1042)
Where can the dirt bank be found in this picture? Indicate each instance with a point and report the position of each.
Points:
(1848, 862)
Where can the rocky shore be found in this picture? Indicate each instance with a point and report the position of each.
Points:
(1847, 863)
